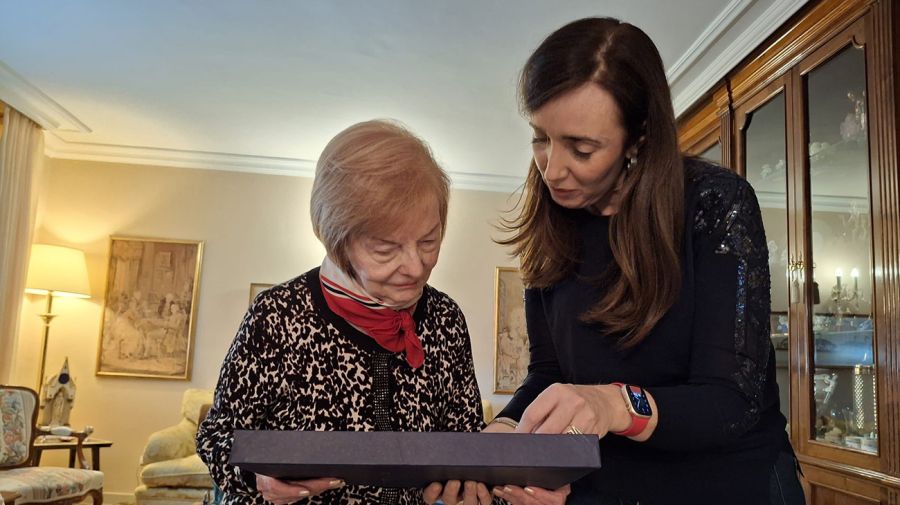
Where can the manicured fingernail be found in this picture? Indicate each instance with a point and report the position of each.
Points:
(498, 491)
(529, 491)
(303, 494)
(334, 484)
(507, 489)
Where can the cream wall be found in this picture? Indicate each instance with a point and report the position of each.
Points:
(255, 228)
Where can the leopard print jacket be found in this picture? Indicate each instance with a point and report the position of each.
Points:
(295, 365)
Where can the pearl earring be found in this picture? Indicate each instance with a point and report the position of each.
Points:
(632, 161)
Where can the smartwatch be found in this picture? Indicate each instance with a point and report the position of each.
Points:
(638, 406)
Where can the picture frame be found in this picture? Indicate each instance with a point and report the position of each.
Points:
(256, 288)
(150, 308)
(510, 335)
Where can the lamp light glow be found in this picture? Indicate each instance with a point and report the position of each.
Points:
(55, 271)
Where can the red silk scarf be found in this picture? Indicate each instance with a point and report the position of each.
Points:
(394, 330)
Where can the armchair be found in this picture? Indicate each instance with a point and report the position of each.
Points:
(18, 476)
(171, 472)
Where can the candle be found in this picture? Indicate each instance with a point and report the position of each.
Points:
(837, 275)
(855, 274)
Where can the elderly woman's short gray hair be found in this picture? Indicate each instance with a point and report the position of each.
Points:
(372, 178)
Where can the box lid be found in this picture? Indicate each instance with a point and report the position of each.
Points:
(415, 459)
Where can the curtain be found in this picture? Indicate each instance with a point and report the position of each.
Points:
(21, 153)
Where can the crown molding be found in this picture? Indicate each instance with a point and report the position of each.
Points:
(56, 147)
(486, 182)
(710, 35)
(753, 36)
(23, 96)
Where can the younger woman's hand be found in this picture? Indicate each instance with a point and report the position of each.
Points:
(572, 408)
(282, 492)
(498, 428)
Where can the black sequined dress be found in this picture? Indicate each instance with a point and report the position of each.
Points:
(708, 363)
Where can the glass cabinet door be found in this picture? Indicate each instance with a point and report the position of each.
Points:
(713, 153)
(763, 152)
(840, 246)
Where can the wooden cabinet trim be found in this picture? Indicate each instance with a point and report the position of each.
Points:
(695, 130)
(821, 22)
(871, 477)
(740, 119)
(854, 35)
(703, 143)
(882, 64)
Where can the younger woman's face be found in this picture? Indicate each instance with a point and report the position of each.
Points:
(579, 148)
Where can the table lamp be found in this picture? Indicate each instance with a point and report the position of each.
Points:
(55, 271)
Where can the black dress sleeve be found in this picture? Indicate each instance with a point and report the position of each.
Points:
(247, 381)
(725, 391)
(543, 366)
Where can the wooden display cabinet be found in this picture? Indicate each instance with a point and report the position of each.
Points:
(810, 119)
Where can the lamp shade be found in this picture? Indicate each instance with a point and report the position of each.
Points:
(57, 271)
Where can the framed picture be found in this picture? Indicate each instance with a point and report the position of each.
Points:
(150, 308)
(257, 288)
(510, 336)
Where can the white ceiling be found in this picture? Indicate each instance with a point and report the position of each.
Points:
(262, 85)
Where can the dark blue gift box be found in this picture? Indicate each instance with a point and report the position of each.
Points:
(415, 459)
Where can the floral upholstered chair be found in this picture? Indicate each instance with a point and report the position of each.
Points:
(45, 485)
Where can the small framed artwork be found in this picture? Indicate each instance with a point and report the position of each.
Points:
(150, 308)
(510, 336)
(256, 288)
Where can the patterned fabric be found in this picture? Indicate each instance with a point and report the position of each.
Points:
(738, 229)
(49, 483)
(392, 327)
(16, 409)
(395, 330)
(295, 365)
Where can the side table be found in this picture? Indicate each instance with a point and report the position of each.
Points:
(42, 444)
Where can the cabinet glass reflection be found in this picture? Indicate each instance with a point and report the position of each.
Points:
(765, 155)
(843, 382)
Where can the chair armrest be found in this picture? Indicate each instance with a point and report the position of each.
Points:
(170, 443)
(66, 431)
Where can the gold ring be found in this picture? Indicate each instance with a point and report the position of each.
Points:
(572, 430)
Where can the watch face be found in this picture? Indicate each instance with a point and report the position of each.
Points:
(639, 402)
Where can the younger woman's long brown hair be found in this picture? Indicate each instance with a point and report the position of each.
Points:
(646, 233)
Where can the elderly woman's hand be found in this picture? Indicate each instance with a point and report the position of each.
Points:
(533, 495)
(475, 492)
(282, 492)
(453, 493)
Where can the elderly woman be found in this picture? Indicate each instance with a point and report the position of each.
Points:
(360, 343)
